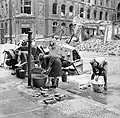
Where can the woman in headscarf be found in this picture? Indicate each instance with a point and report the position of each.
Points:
(52, 65)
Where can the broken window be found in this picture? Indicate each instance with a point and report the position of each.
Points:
(101, 13)
(63, 24)
(88, 1)
(95, 2)
(118, 12)
(6, 27)
(101, 2)
(107, 2)
(54, 8)
(1, 25)
(95, 14)
(88, 14)
(63, 10)
(106, 16)
(71, 10)
(25, 30)
(81, 12)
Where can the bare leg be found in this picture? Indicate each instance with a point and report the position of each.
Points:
(104, 74)
(48, 81)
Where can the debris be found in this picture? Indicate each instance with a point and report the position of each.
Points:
(60, 97)
(57, 95)
(51, 101)
(37, 95)
(83, 86)
(45, 95)
(97, 45)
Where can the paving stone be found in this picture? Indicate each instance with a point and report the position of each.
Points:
(72, 106)
(6, 95)
(15, 106)
(44, 112)
(81, 109)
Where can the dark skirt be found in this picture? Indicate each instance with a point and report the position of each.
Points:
(56, 68)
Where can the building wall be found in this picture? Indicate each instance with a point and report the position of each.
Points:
(42, 10)
(77, 6)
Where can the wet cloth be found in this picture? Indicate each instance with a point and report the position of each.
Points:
(54, 63)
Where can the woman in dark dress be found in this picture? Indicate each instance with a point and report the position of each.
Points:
(52, 65)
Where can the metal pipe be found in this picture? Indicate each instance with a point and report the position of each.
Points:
(29, 57)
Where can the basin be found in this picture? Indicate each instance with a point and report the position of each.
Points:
(39, 80)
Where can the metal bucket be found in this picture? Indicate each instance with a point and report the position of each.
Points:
(22, 74)
(53, 82)
(64, 77)
(39, 80)
(18, 72)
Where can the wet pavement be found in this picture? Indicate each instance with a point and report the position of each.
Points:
(112, 95)
(17, 101)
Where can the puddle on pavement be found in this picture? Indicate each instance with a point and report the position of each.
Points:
(99, 97)
(106, 97)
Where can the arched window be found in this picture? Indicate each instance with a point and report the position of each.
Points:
(95, 14)
(81, 12)
(63, 24)
(88, 14)
(95, 2)
(101, 13)
(107, 2)
(54, 8)
(106, 16)
(6, 27)
(63, 27)
(71, 10)
(2, 25)
(101, 2)
(6, 8)
(88, 1)
(54, 27)
(118, 12)
(63, 10)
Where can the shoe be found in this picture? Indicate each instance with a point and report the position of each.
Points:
(13, 73)
(105, 87)
(89, 85)
(53, 86)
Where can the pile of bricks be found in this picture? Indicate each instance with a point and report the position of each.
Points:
(97, 45)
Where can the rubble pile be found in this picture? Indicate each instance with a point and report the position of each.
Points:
(97, 45)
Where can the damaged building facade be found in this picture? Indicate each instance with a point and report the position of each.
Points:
(44, 17)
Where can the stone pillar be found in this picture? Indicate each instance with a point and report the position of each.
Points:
(33, 29)
(18, 28)
(32, 6)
